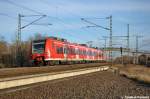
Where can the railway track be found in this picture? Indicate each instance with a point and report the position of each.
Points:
(98, 85)
(36, 78)
(21, 71)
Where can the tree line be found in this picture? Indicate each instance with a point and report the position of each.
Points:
(9, 52)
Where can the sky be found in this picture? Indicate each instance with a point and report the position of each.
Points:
(65, 17)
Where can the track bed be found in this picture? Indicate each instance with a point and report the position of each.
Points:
(13, 72)
(99, 85)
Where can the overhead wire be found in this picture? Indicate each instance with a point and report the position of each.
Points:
(7, 15)
(29, 9)
(16, 18)
(47, 3)
(37, 12)
(21, 6)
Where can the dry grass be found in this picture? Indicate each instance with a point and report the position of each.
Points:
(137, 72)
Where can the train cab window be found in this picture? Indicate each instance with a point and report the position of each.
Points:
(38, 46)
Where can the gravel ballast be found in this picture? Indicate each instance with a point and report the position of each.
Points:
(99, 85)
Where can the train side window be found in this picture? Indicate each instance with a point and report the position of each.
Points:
(79, 52)
(87, 53)
(91, 53)
(100, 54)
(68, 49)
(83, 52)
(65, 50)
(94, 53)
(76, 51)
(73, 51)
(59, 50)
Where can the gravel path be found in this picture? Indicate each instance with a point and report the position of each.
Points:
(100, 85)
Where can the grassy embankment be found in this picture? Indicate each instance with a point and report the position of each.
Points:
(136, 72)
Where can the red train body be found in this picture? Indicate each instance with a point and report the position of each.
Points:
(53, 50)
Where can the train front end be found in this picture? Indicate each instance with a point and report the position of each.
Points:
(38, 51)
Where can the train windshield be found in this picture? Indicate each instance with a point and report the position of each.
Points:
(38, 46)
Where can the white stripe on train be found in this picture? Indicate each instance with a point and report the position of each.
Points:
(72, 59)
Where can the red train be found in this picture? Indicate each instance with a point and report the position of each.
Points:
(53, 50)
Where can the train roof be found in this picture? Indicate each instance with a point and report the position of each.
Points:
(63, 40)
(51, 37)
(83, 45)
(57, 38)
